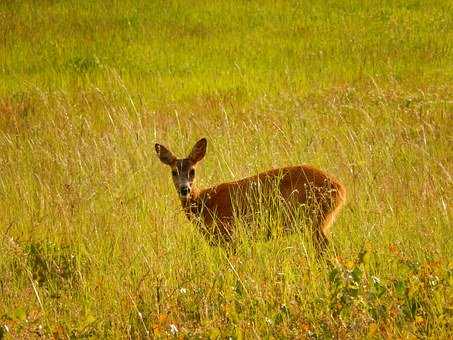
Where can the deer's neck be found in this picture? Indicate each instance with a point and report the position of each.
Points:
(193, 205)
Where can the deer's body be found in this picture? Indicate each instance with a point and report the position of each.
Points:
(304, 187)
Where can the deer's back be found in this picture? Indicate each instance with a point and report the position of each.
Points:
(296, 185)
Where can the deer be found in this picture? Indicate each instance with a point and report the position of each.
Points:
(217, 209)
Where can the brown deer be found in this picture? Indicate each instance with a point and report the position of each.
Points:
(319, 195)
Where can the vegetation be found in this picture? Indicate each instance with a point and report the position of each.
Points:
(93, 241)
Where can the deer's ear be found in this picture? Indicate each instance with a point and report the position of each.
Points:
(164, 154)
(198, 151)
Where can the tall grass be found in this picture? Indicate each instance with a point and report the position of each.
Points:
(93, 240)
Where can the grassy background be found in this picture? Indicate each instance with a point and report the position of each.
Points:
(93, 241)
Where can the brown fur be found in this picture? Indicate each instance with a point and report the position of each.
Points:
(320, 195)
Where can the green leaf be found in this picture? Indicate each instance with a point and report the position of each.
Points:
(357, 275)
(400, 288)
(20, 314)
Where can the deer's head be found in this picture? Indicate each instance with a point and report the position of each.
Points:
(183, 169)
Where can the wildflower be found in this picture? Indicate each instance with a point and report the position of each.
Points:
(183, 290)
(173, 329)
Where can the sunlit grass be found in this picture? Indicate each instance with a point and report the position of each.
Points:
(93, 240)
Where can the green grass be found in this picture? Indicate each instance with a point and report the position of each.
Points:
(93, 241)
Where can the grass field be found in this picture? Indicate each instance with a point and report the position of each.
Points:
(93, 242)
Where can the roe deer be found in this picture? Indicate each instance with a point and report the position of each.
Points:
(318, 194)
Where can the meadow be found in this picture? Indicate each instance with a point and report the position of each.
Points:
(93, 241)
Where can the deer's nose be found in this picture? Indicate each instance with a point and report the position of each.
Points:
(185, 190)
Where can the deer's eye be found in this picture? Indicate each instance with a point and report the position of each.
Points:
(174, 173)
(192, 172)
